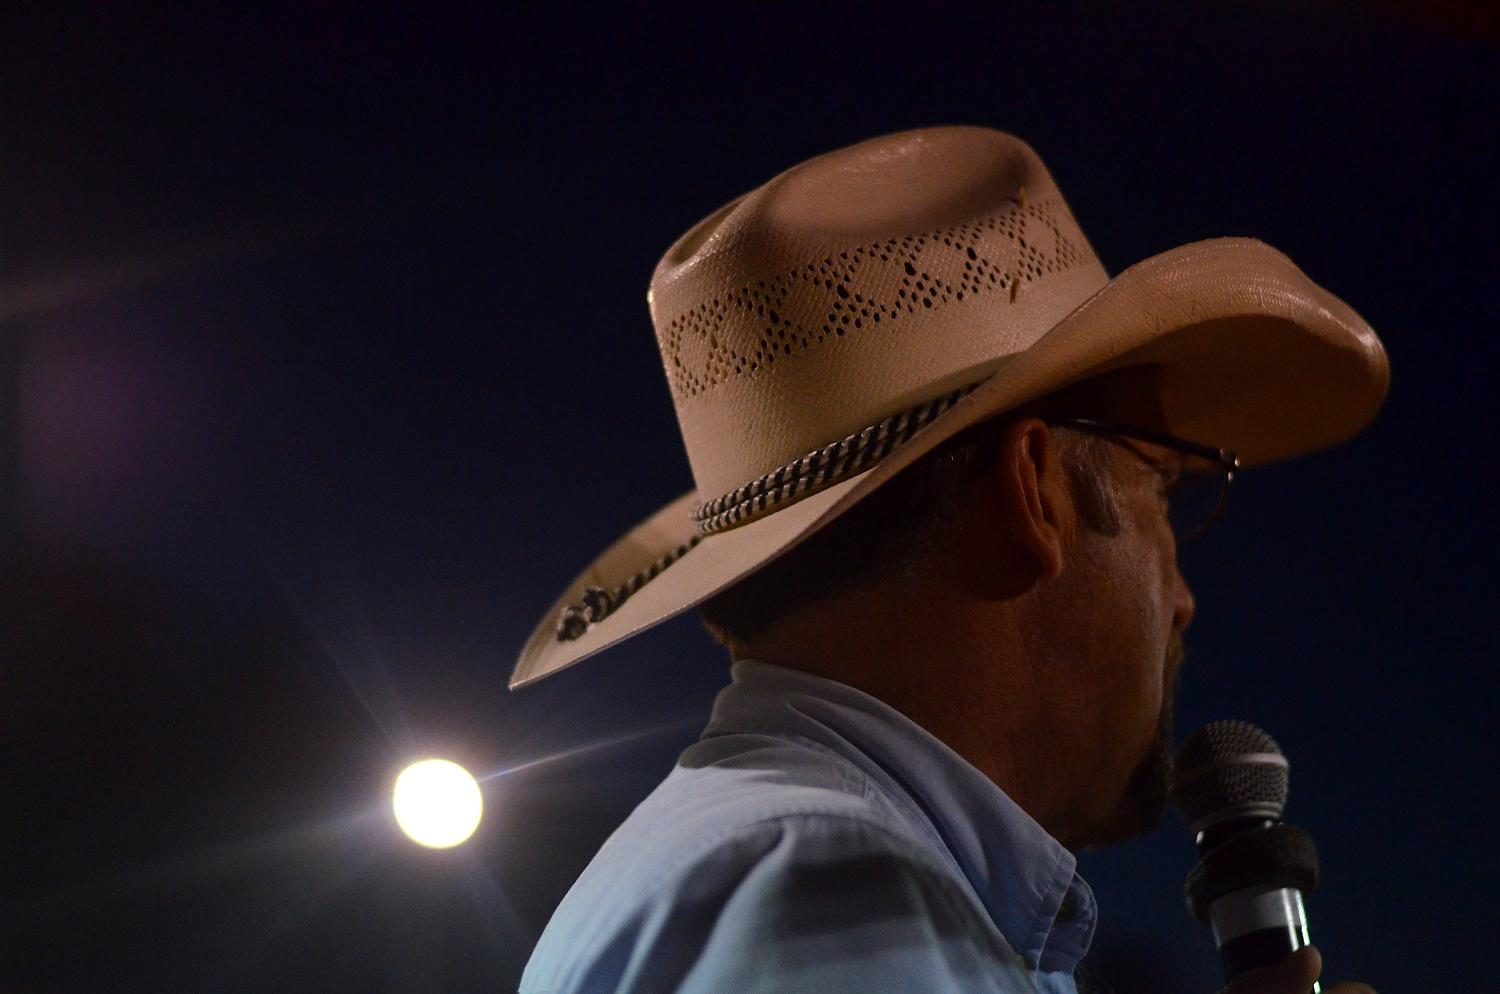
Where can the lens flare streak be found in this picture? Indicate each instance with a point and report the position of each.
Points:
(589, 747)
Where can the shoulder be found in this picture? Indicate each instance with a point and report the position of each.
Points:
(732, 799)
(763, 902)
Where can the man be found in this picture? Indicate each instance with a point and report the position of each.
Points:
(943, 463)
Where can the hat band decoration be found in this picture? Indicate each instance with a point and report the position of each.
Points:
(817, 470)
(821, 468)
(599, 603)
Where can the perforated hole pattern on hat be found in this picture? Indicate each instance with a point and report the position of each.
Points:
(837, 296)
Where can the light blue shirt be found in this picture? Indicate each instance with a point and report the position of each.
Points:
(817, 841)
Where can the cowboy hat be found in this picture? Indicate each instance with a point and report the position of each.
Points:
(823, 331)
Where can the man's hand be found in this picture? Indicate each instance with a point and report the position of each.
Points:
(1293, 975)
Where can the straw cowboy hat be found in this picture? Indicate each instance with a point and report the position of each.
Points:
(823, 331)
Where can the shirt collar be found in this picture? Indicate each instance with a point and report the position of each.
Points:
(1026, 879)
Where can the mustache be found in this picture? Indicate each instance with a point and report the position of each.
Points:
(1176, 656)
(1171, 680)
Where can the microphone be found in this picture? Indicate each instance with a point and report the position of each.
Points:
(1253, 869)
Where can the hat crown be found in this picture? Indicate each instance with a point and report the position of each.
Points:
(856, 285)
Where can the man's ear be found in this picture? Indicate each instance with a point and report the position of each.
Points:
(1031, 495)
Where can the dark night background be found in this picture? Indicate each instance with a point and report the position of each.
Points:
(326, 365)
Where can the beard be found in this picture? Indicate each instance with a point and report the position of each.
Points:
(1143, 803)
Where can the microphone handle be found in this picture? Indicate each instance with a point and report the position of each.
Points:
(1256, 927)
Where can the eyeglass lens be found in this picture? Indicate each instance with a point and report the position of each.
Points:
(1193, 500)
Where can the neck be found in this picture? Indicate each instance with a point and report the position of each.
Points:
(968, 673)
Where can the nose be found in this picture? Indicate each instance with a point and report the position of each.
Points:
(1183, 607)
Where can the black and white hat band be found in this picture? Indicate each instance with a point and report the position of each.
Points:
(816, 471)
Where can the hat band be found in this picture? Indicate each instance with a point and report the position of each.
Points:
(816, 471)
(820, 468)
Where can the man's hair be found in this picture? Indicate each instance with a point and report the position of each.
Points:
(893, 531)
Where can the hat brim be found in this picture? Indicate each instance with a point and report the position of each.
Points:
(1254, 357)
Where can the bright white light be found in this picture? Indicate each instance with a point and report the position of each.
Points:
(437, 803)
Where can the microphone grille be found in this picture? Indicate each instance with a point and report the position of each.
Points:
(1229, 769)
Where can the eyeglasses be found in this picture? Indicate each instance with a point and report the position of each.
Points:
(1196, 499)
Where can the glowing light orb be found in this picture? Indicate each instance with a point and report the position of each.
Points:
(437, 803)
